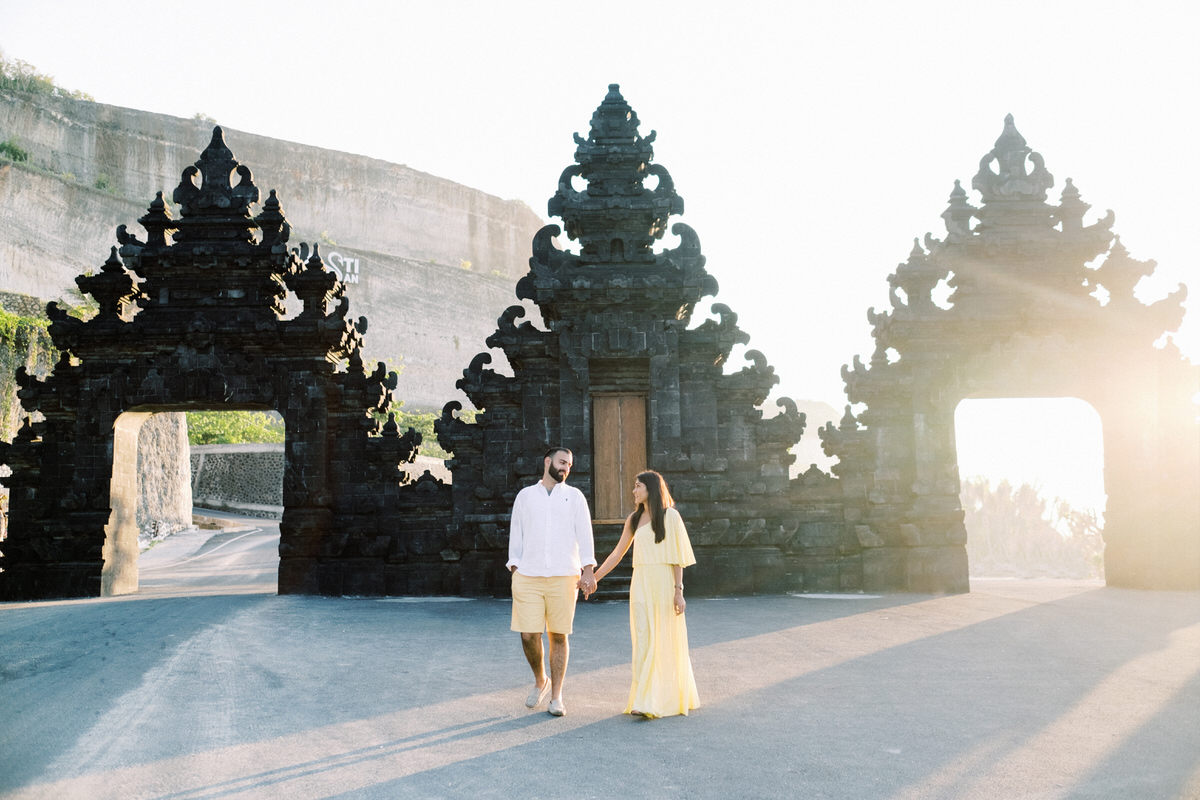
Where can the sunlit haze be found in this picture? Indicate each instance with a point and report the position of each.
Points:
(1053, 445)
(812, 142)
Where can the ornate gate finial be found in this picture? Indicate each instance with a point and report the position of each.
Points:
(1012, 182)
(615, 217)
(215, 208)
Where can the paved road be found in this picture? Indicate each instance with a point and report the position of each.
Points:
(240, 558)
(207, 685)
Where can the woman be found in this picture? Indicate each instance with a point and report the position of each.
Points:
(663, 684)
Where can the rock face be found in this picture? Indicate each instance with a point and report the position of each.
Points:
(53, 228)
(429, 261)
(164, 478)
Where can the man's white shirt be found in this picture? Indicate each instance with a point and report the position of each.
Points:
(551, 532)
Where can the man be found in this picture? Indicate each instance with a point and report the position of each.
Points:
(549, 546)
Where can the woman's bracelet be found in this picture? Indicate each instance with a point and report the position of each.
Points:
(679, 586)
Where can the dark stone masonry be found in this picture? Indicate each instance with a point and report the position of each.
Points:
(193, 318)
(617, 376)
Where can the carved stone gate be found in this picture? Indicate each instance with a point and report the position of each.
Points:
(193, 318)
(617, 375)
(1028, 317)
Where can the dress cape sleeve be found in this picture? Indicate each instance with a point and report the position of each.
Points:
(679, 546)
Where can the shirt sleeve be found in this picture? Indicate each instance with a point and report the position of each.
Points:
(679, 546)
(583, 532)
(516, 539)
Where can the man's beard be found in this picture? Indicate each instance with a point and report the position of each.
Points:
(556, 474)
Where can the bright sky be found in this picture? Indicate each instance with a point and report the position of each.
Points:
(811, 141)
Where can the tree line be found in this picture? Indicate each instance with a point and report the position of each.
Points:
(1016, 532)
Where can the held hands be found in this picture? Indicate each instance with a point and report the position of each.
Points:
(587, 584)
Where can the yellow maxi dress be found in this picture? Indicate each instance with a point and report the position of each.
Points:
(663, 684)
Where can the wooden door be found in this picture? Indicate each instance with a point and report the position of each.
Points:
(619, 445)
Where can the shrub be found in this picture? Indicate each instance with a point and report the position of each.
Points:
(20, 76)
(13, 151)
(234, 427)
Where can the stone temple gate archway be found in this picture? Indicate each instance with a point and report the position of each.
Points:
(193, 318)
(1042, 305)
(1026, 319)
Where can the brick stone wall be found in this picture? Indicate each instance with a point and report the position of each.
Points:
(245, 479)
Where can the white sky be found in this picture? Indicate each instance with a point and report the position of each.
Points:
(811, 141)
(1054, 445)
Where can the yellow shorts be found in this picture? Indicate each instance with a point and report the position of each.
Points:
(543, 604)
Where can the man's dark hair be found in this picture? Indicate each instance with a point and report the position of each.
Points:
(551, 452)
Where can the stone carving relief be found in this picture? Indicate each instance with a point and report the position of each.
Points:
(615, 324)
(193, 318)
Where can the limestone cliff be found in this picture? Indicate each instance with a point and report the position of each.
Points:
(429, 262)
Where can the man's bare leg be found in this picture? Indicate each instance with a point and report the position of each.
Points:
(531, 643)
(559, 651)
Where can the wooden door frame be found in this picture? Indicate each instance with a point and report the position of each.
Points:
(626, 470)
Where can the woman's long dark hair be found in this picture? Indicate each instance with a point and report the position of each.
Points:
(658, 498)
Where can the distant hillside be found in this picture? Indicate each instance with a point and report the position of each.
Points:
(429, 262)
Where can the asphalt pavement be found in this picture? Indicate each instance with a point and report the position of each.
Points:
(207, 685)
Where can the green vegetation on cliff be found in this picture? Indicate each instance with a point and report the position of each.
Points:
(24, 342)
(234, 427)
(19, 332)
(12, 151)
(20, 76)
